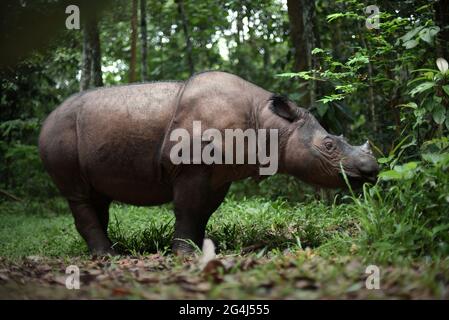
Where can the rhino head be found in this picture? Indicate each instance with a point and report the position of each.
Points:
(315, 156)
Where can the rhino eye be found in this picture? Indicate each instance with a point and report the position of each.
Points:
(329, 145)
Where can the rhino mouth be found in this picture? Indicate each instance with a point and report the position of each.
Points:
(356, 180)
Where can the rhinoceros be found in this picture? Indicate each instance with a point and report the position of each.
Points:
(114, 144)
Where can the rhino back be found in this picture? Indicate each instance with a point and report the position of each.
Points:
(119, 131)
(219, 99)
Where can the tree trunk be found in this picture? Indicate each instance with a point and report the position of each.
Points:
(310, 44)
(91, 61)
(371, 102)
(86, 60)
(295, 15)
(301, 15)
(96, 53)
(143, 35)
(442, 20)
(336, 39)
(132, 64)
(185, 27)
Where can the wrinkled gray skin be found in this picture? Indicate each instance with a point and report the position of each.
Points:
(113, 144)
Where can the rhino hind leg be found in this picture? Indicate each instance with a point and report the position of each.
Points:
(58, 150)
(91, 218)
(194, 202)
(101, 207)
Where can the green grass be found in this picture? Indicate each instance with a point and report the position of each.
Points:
(279, 248)
(25, 232)
(370, 226)
(237, 224)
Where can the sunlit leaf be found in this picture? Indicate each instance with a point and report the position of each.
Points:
(317, 50)
(390, 175)
(288, 74)
(422, 87)
(442, 65)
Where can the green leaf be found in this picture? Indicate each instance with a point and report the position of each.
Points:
(428, 105)
(419, 115)
(400, 172)
(439, 229)
(390, 175)
(409, 166)
(334, 16)
(437, 100)
(410, 44)
(428, 34)
(317, 50)
(384, 160)
(288, 74)
(358, 58)
(446, 89)
(333, 97)
(439, 113)
(422, 87)
(409, 35)
(411, 105)
(436, 158)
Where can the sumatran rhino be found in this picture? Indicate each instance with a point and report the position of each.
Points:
(116, 144)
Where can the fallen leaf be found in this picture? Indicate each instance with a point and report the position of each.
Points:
(119, 292)
(4, 277)
(199, 287)
(214, 269)
(102, 277)
(305, 285)
(147, 277)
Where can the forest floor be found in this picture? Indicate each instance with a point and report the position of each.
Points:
(266, 250)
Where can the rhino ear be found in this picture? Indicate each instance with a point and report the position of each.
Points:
(280, 106)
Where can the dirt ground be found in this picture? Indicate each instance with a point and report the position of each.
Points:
(299, 275)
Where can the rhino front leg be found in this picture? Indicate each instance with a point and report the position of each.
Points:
(195, 201)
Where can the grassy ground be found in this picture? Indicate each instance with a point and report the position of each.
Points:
(266, 249)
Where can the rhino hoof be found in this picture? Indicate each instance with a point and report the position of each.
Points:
(182, 248)
(103, 252)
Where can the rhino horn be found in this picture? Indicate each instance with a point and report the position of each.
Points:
(366, 147)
